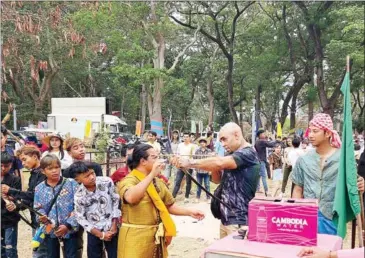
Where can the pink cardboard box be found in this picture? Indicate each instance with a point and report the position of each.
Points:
(286, 221)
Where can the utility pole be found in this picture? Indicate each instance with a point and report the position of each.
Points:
(253, 122)
(14, 117)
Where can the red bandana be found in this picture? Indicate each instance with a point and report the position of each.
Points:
(324, 122)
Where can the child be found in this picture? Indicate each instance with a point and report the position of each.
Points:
(122, 172)
(76, 148)
(55, 143)
(276, 164)
(17, 164)
(96, 207)
(202, 175)
(60, 192)
(9, 215)
(29, 155)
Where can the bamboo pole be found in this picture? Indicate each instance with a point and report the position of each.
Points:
(360, 222)
(359, 217)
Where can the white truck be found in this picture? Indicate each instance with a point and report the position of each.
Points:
(69, 115)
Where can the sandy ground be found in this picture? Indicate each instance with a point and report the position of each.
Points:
(192, 236)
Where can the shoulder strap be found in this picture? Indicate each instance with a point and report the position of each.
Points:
(56, 196)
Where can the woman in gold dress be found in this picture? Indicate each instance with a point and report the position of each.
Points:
(147, 227)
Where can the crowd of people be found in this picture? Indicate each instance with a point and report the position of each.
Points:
(129, 213)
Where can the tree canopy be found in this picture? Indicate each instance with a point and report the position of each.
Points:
(203, 60)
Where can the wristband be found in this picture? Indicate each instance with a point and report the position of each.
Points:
(102, 237)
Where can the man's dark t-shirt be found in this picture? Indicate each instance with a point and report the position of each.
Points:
(261, 146)
(95, 166)
(239, 186)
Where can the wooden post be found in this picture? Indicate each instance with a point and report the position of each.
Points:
(362, 220)
(353, 233)
(108, 162)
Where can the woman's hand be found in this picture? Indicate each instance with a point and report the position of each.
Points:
(196, 214)
(313, 252)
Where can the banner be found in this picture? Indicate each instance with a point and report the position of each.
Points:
(87, 128)
(156, 126)
(138, 128)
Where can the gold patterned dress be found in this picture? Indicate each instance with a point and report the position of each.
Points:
(139, 241)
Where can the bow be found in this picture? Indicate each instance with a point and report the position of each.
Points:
(168, 145)
(169, 151)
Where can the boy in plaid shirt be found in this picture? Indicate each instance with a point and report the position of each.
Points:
(202, 175)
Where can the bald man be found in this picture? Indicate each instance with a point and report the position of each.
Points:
(238, 181)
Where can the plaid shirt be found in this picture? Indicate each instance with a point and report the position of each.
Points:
(201, 155)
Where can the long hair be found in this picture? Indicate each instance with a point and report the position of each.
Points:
(61, 147)
(139, 152)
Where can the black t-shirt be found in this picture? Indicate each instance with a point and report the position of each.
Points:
(239, 186)
(10, 218)
(95, 166)
(261, 146)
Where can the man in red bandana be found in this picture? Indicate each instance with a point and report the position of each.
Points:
(315, 173)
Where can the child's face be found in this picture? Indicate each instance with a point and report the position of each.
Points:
(175, 135)
(55, 142)
(77, 151)
(87, 179)
(278, 149)
(29, 162)
(52, 172)
(5, 168)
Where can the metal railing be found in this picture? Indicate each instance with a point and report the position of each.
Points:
(109, 162)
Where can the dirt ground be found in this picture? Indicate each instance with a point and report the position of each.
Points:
(192, 236)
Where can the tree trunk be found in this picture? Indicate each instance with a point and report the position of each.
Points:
(143, 107)
(229, 80)
(37, 113)
(210, 100)
(14, 81)
(293, 110)
(156, 114)
(314, 31)
(258, 107)
(310, 110)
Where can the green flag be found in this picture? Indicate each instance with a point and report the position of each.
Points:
(347, 204)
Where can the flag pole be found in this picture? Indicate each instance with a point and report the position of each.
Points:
(353, 233)
(360, 216)
(361, 221)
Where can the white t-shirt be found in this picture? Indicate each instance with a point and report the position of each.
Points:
(294, 154)
(65, 162)
(155, 145)
(186, 150)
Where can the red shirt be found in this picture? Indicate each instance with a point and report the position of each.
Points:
(119, 174)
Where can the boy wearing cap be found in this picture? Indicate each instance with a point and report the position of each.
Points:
(202, 175)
